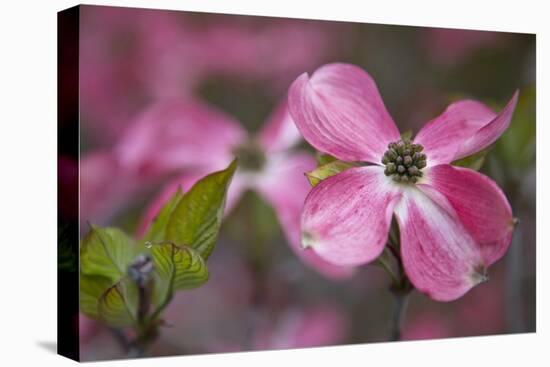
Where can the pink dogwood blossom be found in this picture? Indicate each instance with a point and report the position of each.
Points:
(194, 139)
(454, 222)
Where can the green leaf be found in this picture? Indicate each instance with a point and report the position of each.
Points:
(323, 159)
(197, 218)
(182, 266)
(327, 170)
(474, 161)
(157, 232)
(176, 268)
(117, 306)
(91, 289)
(106, 252)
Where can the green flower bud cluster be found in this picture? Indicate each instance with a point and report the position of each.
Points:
(140, 269)
(404, 161)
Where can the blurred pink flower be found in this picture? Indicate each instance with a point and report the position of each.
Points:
(110, 77)
(105, 188)
(253, 49)
(195, 139)
(452, 46)
(130, 57)
(87, 328)
(302, 328)
(454, 222)
(483, 311)
(426, 326)
(314, 326)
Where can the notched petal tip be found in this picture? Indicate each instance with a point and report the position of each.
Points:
(308, 240)
(479, 275)
(464, 128)
(514, 223)
(515, 96)
(299, 82)
(489, 133)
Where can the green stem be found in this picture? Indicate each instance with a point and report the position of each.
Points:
(387, 267)
(401, 289)
(160, 308)
(401, 300)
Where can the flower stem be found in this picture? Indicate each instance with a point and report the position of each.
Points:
(401, 300)
(401, 287)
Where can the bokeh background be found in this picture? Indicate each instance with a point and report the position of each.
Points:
(260, 294)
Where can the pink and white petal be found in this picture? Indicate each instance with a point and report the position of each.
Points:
(346, 218)
(339, 111)
(185, 182)
(443, 136)
(174, 135)
(285, 187)
(439, 255)
(280, 132)
(464, 128)
(480, 205)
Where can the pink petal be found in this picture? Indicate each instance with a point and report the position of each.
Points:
(489, 133)
(280, 132)
(340, 112)
(175, 135)
(440, 257)
(464, 128)
(285, 187)
(346, 218)
(480, 205)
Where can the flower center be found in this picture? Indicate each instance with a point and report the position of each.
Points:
(404, 161)
(251, 156)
